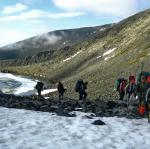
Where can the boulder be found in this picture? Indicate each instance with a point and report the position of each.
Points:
(54, 108)
(111, 104)
(47, 102)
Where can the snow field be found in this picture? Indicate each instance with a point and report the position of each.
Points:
(36, 130)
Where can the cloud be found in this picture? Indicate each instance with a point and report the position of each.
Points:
(51, 39)
(44, 39)
(11, 36)
(39, 14)
(14, 8)
(118, 8)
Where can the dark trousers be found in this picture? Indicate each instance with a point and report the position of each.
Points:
(129, 95)
(61, 94)
(82, 95)
(142, 98)
(39, 92)
(121, 94)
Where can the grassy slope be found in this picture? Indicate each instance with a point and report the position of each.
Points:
(131, 37)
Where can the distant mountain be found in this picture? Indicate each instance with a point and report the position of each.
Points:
(51, 41)
(99, 58)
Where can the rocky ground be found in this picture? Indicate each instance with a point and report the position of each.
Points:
(64, 107)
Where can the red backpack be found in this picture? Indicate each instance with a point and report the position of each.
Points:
(141, 110)
(148, 80)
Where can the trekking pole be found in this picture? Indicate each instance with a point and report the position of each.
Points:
(142, 66)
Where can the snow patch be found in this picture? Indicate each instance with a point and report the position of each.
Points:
(108, 57)
(30, 129)
(99, 57)
(109, 51)
(69, 58)
(47, 91)
(102, 29)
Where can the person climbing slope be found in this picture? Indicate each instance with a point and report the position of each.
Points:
(61, 90)
(122, 89)
(131, 86)
(39, 87)
(81, 87)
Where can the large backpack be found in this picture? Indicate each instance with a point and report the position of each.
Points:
(143, 73)
(131, 88)
(60, 87)
(78, 85)
(118, 82)
(39, 86)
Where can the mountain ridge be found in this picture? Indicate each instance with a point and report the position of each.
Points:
(50, 41)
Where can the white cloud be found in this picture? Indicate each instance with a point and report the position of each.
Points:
(51, 39)
(11, 36)
(118, 8)
(14, 8)
(39, 14)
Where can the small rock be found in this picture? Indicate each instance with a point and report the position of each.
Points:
(87, 116)
(66, 114)
(92, 114)
(98, 122)
(44, 108)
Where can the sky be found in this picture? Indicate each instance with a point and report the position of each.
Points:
(21, 19)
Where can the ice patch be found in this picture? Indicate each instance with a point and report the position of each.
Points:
(69, 58)
(109, 51)
(26, 84)
(26, 87)
(29, 129)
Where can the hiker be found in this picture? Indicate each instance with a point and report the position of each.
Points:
(39, 87)
(81, 89)
(60, 89)
(120, 85)
(141, 90)
(132, 78)
(122, 89)
(131, 86)
(148, 99)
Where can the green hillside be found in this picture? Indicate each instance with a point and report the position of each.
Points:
(127, 45)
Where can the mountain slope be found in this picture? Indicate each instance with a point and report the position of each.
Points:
(51, 41)
(100, 59)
